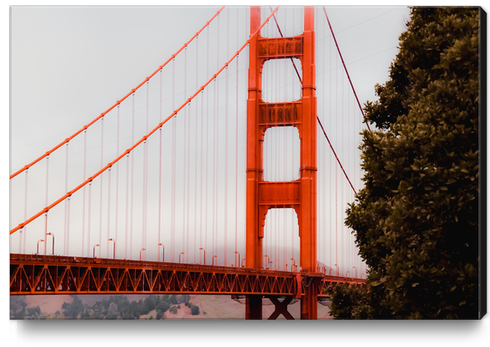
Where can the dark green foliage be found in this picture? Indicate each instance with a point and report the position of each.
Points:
(33, 312)
(149, 304)
(135, 308)
(74, 309)
(112, 312)
(163, 306)
(194, 310)
(18, 306)
(416, 219)
(439, 44)
(346, 302)
(85, 314)
(115, 307)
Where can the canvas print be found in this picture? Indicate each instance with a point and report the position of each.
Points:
(247, 163)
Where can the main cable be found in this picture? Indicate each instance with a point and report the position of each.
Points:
(47, 208)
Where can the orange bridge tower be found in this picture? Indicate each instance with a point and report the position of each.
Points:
(299, 194)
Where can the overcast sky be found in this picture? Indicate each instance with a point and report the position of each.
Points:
(62, 57)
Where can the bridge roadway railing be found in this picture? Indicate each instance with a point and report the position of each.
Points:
(51, 274)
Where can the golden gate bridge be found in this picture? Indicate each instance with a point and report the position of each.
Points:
(226, 171)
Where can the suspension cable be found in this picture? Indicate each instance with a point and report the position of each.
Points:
(122, 155)
(118, 102)
(345, 67)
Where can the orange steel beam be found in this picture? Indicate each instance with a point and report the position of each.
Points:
(51, 275)
(118, 102)
(143, 139)
(281, 307)
(39, 274)
(301, 194)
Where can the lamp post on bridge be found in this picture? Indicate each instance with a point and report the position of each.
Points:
(163, 252)
(93, 249)
(181, 255)
(204, 256)
(355, 269)
(38, 242)
(346, 274)
(244, 259)
(52, 247)
(114, 247)
(237, 264)
(213, 259)
(267, 261)
(141, 250)
(294, 267)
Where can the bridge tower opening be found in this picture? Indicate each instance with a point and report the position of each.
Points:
(298, 194)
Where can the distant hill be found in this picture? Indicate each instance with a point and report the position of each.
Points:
(210, 306)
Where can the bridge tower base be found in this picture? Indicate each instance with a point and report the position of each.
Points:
(253, 307)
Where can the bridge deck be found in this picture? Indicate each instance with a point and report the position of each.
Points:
(39, 274)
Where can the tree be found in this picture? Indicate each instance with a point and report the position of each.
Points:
(33, 312)
(149, 304)
(160, 315)
(194, 310)
(18, 306)
(416, 219)
(74, 309)
(163, 306)
(112, 312)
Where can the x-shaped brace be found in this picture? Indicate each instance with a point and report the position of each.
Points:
(281, 307)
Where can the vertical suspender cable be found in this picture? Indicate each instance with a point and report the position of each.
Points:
(201, 175)
(187, 115)
(23, 239)
(89, 215)
(217, 145)
(336, 181)
(117, 185)
(215, 135)
(236, 155)
(186, 149)
(132, 185)
(67, 209)
(101, 178)
(160, 172)
(108, 211)
(195, 152)
(225, 205)
(326, 163)
(145, 174)
(173, 183)
(127, 209)
(206, 180)
(84, 178)
(46, 214)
